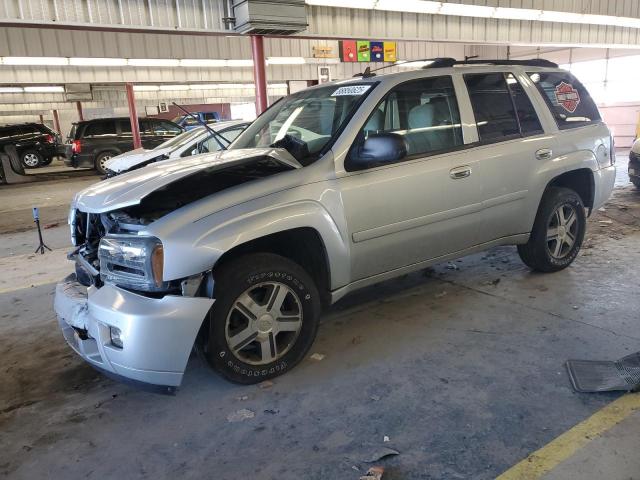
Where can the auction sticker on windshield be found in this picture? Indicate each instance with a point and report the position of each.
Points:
(354, 90)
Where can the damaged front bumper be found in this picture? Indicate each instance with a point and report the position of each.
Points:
(157, 334)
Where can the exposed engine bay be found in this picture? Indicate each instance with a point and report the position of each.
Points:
(88, 229)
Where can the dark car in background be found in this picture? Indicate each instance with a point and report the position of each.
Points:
(93, 142)
(634, 164)
(35, 143)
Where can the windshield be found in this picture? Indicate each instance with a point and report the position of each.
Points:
(180, 140)
(305, 122)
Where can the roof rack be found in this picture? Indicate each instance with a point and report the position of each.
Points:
(445, 62)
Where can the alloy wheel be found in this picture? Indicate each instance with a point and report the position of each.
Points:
(264, 323)
(103, 161)
(31, 160)
(562, 231)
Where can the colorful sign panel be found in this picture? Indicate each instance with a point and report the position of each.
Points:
(390, 52)
(348, 52)
(376, 51)
(363, 51)
(367, 51)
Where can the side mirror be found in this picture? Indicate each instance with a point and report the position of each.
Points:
(377, 149)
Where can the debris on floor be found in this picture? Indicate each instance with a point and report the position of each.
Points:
(240, 415)
(452, 266)
(441, 294)
(379, 454)
(317, 357)
(50, 225)
(266, 384)
(492, 282)
(374, 473)
(385, 439)
(243, 397)
(591, 376)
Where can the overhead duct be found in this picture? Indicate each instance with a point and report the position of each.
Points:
(269, 17)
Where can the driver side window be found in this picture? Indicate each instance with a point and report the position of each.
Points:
(424, 112)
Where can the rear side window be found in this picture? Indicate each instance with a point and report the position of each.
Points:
(501, 107)
(492, 107)
(100, 129)
(570, 103)
(527, 116)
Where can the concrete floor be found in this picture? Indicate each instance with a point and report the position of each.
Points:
(465, 375)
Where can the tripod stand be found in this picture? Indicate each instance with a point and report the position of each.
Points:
(36, 219)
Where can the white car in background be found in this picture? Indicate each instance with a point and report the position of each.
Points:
(193, 142)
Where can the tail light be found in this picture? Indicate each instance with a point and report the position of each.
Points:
(49, 139)
(76, 146)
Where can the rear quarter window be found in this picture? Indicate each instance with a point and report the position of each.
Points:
(570, 103)
(100, 129)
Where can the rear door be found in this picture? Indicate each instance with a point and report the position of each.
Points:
(511, 137)
(154, 132)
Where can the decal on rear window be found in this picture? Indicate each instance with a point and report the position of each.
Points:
(354, 90)
(567, 96)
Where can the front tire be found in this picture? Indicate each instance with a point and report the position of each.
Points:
(31, 159)
(264, 320)
(558, 231)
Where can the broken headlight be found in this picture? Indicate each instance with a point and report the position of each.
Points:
(132, 262)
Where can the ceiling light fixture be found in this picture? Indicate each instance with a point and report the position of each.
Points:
(146, 88)
(11, 90)
(97, 62)
(45, 89)
(36, 61)
(153, 62)
(285, 61)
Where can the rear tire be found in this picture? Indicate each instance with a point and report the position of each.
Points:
(101, 160)
(47, 161)
(264, 320)
(558, 231)
(31, 159)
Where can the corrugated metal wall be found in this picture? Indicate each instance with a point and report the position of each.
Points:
(78, 43)
(206, 15)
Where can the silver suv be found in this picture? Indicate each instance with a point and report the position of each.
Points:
(332, 189)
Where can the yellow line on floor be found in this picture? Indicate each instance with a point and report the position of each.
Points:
(548, 457)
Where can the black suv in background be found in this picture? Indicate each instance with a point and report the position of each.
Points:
(35, 143)
(93, 142)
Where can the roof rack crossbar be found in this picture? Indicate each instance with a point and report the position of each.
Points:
(450, 62)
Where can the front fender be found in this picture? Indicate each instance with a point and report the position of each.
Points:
(217, 234)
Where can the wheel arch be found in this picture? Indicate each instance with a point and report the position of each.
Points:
(580, 180)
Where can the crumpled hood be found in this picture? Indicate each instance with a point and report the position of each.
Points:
(130, 188)
(125, 161)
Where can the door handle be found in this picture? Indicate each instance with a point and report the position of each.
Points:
(544, 154)
(460, 172)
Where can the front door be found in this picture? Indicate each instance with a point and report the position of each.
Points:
(426, 205)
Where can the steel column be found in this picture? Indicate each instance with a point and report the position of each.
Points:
(79, 108)
(56, 122)
(41, 119)
(259, 72)
(133, 116)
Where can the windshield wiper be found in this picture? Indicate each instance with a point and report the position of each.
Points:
(215, 134)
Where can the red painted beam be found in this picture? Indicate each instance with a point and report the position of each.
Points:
(79, 107)
(56, 122)
(259, 72)
(133, 116)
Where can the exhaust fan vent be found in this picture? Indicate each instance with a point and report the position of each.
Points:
(264, 17)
